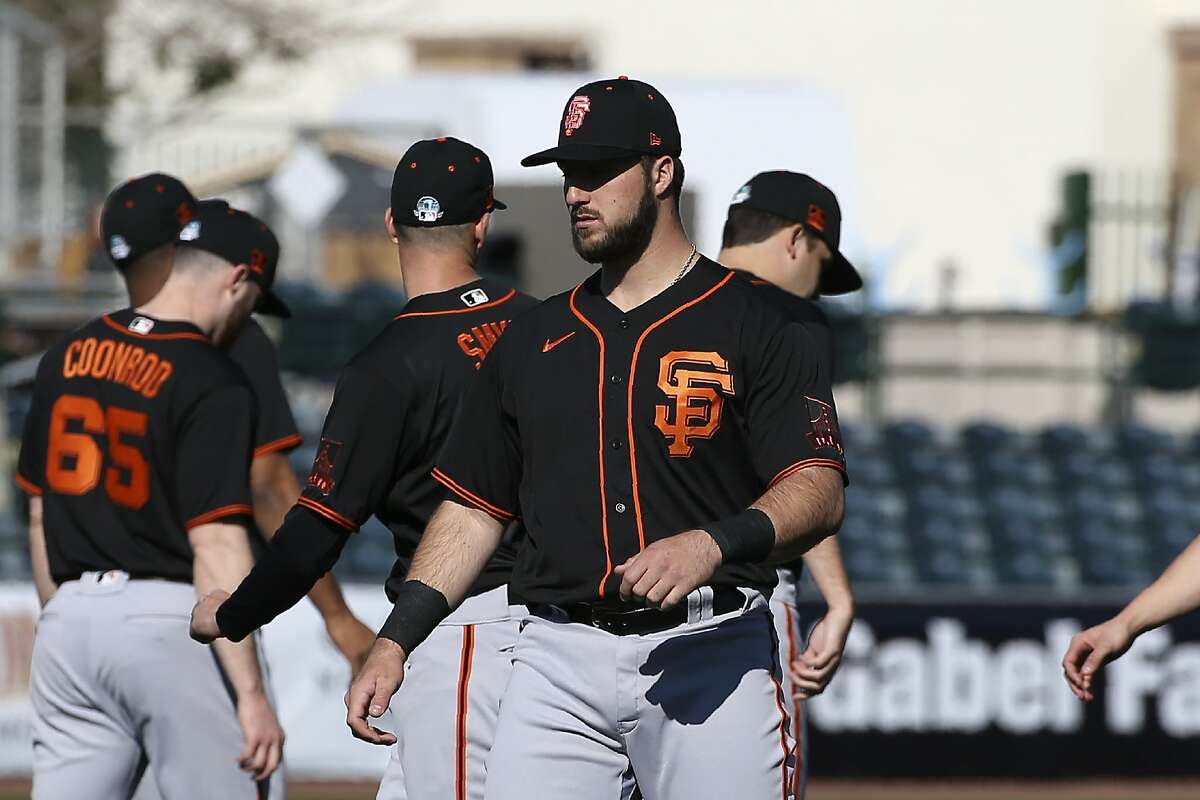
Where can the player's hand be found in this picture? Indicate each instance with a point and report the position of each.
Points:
(667, 570)
(352, 638)
(263, 734)
(814, 668)
(1091, 650)
(204, 617)
(372, 690)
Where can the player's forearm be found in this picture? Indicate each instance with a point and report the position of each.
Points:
(275, 490)
(824, 563)
(46, 587)
(455, 548)
(221, 558)
(306, 547)
(804, 508)
(1175, 592)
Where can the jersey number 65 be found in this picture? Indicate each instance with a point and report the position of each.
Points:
(74, 460)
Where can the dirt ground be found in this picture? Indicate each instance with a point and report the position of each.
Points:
(841, 790)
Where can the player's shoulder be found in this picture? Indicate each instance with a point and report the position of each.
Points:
(794, 307)
(251, 344)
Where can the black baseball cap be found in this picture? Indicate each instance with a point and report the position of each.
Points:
(811, 203)
(442, 181)
(239, 238)
(143, 214)
(614, 118)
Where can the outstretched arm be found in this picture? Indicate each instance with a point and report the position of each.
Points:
(1176, 592)
(454, 550)
(275, 489)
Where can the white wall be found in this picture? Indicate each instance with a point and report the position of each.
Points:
(959, 114)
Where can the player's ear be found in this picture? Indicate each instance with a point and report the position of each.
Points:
(481, 229)
(662, 175)
(390, 224)
(238, 275)
(793, 238)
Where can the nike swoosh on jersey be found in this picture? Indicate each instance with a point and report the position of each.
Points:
(549, 345)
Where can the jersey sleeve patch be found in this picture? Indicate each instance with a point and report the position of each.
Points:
(321, 478)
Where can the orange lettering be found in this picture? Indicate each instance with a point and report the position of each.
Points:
(103, 359)
(698, 394)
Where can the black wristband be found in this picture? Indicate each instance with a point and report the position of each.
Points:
(417, 611)
(747, 537)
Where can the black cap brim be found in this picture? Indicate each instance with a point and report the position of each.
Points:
(840, 277)
(579, 152)
(497, 205)
(270, 304)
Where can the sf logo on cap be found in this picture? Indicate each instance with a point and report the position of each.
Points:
(577, 109)
(428, 209)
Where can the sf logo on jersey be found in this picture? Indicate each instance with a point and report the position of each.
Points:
(697, 384)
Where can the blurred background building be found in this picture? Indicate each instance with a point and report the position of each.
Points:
(1020, 183)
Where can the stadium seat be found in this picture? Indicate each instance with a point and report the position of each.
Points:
(985, 437)
(907, 436)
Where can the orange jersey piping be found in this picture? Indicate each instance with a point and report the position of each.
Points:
(511, 294)
(637, 503)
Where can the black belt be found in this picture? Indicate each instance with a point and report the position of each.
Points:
(133, 576)
(623, 619)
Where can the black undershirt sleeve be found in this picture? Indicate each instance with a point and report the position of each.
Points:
(306, 547)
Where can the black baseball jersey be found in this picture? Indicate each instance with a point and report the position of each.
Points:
(392, 410)
(810, 315)
(140, 430)
(607, 430)
(254, 352)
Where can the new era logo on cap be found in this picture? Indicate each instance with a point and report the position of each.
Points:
(190, 232)
(816, 218)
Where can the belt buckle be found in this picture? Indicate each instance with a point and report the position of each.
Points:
(112, 576)
(603, 622)
(617, 623)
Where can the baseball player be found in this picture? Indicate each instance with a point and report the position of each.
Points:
(651, 430)
(1174, 594)
(141, 241)
(783, 229)
(391, 413)
(137, 452)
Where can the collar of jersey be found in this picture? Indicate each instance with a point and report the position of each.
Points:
(161, 326)
(704, 275)
(449, 300)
